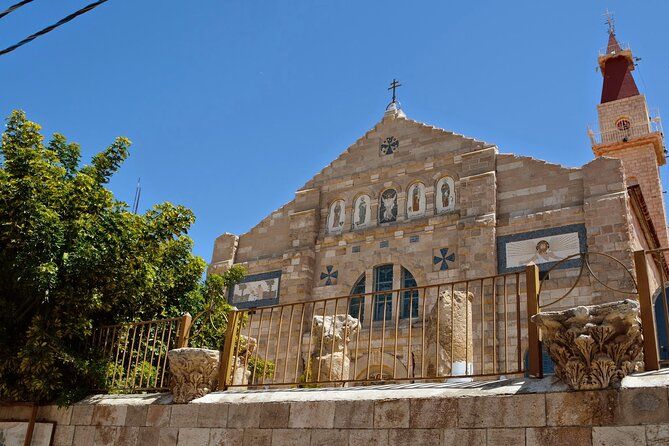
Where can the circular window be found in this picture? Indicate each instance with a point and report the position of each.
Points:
(623, 124)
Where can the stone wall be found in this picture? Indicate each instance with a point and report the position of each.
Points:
(506, 413)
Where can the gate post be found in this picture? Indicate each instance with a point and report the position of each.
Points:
(535, 366)
(184, 330)
(650, 354)
(227, 355)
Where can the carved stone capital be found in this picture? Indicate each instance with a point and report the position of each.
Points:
(193, 371)
(593, 347)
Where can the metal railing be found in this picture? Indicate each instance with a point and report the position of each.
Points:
(137, 352)
(477, 329)
(623, 135)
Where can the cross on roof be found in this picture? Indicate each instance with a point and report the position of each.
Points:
(610, 21)
(393, 86)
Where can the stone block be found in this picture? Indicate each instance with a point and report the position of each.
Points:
(502, 411)
(15, 412)
(84, 436)
(161, 436)
(59, 415)
(464, 437)
(257, 437)
(105, 435)
(82, 414)
(107, 415)
(226, 437)
(619, 436)
(127, 436)
(329, 437)
(312, 414)
(505, 437)
(212, 415)
(391, 414)
(291, 437)
(354, 414)
(63, 435)
(414, 436)
(433, 413)
(368, 437)
(243, 415)
(184, 415)
(158, 415)
(136, 415)
(274, 415)
(643, 406)
(585, 408)
(657, 434)
(558, 436)
(191, 436)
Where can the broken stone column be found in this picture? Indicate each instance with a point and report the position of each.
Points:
(193, 373)
(593, 347)
(451, 353)
(332, 333)
(241, 372)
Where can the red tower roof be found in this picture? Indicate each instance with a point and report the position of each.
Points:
(617, 71)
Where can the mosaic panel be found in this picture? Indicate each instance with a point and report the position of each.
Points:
(256, 290)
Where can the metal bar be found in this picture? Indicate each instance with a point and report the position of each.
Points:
(160, 353)
(255, 363)
(269, 335)
(371, 327)
(320, 350)
(278, 342)
(334, 318)
(494, 326)
(397, 326)
(247, 353)
(383, 331)
(482, 328)
(308, 365)
(345, 351)
(146, 349)
(534, 355)
(519, 347)
(436, 350)
(410, 364)
(299, 344)
(506, 328)
(422, 346)
(31, 426)
(651, 356)
(467, 330)
(227, 358)
(139, 347)
(132, 348)
(452, 325)
(167, 349)
(290, 331)
(357, 335)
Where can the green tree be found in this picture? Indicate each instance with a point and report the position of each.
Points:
(73, 257)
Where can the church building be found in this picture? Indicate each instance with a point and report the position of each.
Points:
(410, 204)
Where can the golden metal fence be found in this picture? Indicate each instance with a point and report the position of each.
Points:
(478, 329)
(137, 352)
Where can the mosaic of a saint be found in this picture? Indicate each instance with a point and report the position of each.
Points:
(336, 217)
(416, 200)
(361, 212)
(388, 210)
(445, 195)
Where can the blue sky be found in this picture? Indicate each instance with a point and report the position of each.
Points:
(233, 105)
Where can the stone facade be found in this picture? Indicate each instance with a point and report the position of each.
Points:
(509, 413)
(438, 207)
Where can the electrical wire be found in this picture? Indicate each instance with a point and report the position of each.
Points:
(14, 8)
(61, 22)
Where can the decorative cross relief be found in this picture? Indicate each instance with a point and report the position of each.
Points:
(441, 261)
(330, 275)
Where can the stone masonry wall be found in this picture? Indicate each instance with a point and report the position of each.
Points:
(512, 413)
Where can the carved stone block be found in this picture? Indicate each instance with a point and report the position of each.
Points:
(593, 347)
(331, 334)
(194, 373)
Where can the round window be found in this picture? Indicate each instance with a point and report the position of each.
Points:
(623, 124)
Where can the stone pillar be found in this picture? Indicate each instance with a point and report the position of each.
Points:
(449, 344)
(332, 333)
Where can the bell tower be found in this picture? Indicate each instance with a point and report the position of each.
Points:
(627, 132)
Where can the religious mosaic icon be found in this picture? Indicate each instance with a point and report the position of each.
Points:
(388, 208)
(543, 247)
(362, 213)
(416, 200)
(330, 275)
(445, 195)
(336, 216)
(389, 145)
(442, 259)
(256, 290)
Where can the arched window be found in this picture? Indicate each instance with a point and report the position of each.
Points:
(382, 304)
(356, 306)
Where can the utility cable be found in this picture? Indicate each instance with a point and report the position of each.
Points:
(14, 8)
(61, 22)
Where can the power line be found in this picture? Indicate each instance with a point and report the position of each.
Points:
(61, 22)
(14, 8)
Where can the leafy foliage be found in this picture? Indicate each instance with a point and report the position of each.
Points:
(72, 257)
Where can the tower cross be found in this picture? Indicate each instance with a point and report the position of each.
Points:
(393, 86)
(610, 22)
